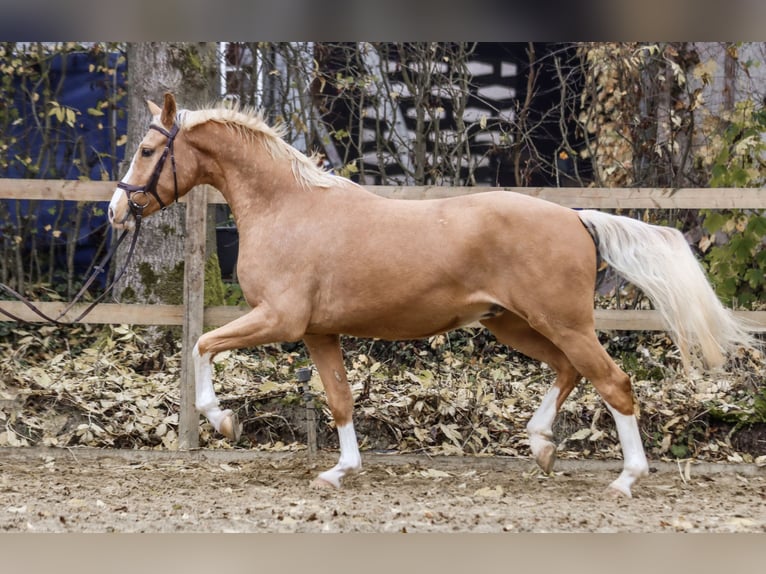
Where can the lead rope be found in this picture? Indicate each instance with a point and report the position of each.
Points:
(97, 270)
(136, 210)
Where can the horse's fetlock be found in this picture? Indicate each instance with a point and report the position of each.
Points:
(637, 469)
(207, 406)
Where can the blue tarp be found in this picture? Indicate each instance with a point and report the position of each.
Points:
(83, 150)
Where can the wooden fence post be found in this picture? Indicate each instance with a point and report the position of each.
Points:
(194, 308)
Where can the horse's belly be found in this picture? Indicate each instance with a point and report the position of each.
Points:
(410, 323)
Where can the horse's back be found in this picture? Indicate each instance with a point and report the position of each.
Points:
(404, 269)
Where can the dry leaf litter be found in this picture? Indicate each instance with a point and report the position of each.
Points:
(455, 394)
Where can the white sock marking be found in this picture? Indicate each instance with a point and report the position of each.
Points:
(540, 426)
(205, 400)
(635, 464)
(350, 459)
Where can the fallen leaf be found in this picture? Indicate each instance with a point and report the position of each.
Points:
(434, 473)
(580, 434)
(487, 492)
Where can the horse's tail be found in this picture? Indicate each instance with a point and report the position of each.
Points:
(659, 261)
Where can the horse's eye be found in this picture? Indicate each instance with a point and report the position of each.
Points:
(146, 152)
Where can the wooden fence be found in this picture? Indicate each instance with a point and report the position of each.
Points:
(192, 315)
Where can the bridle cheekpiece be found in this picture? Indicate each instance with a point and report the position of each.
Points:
(151, 186)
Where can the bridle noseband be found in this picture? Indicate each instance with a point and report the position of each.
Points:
(151, 186)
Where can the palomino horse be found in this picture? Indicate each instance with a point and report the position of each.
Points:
(319, 256)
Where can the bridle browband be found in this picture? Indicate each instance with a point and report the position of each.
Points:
(151, 186)
(136, 209)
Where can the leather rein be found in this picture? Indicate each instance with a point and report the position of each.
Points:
(136, 210)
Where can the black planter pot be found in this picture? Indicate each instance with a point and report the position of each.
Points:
(227, 240)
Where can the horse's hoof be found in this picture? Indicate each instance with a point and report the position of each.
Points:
(617, 491)
(547, 458)
(230, 426)
(322, 484)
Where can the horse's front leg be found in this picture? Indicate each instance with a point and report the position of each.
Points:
(260, 326)
(224, 421)
(327, 356)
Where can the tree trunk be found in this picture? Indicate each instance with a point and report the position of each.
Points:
(190, 71)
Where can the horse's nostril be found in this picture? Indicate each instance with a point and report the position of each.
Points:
(111, 214)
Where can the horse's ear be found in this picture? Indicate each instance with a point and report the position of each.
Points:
(169, 111)
(154, 109)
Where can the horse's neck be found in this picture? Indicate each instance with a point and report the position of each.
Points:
(253, 183)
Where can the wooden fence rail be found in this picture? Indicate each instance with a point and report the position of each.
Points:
(136, 314)
(583, 197)
(592, 198)
(193, 315)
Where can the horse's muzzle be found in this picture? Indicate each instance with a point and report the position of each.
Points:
(119, 211)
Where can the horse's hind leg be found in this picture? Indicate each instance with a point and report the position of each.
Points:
(515, 332)
(327, 356)
(588, 356)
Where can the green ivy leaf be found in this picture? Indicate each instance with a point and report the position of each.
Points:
(714, 221)
(754, 277)
(757, 226)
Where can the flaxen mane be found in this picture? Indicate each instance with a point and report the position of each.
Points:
(249, 123)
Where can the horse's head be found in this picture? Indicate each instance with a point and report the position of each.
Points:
(158, 174)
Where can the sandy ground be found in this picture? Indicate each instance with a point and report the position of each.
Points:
(88, 490)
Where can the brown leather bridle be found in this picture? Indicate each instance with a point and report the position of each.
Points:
(150, 188)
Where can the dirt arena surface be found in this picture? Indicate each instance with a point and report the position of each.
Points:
(90, 490)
